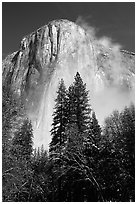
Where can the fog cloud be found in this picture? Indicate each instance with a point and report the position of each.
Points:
(118, 91)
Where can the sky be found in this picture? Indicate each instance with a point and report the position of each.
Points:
(112, 19)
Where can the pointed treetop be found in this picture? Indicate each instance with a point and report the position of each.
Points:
(78, 76)
(61, 81)
(61, 84)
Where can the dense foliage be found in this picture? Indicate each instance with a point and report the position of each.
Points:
(85, 162)
(59, 119)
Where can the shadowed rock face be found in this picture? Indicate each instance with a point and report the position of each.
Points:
(58, 50)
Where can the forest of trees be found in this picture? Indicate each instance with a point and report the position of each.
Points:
(85, 162)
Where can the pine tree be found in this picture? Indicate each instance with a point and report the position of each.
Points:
(128, 150)
(7, 111)
(95, 131)
(59, 119)
(93, 140)
(72, 163)
(79, 108)
(118, 155)
(16, 172)
(20, 177)
(12, 114)
(22, 141)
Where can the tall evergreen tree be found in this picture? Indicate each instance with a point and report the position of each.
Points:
(118, 155)
(7, 114)
(22, 141)
(72, 162)
(12, 114)
(93, 141)
(79, 108)
(59, 119)
(95, 130)
(20, 177)
(15, 169)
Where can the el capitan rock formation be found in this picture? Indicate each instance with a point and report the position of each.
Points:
(58, 50)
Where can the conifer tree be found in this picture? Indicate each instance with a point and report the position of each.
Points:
(22, 141)
(12, 112)
(118, 155)
(93, 141)
(12, 169)
(79, 108)
(6, 127)
(59, 119)
(95, 130)
(21, 174)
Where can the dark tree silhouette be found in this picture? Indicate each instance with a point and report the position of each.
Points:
(79, 108)
(59, 119)
(22, 143)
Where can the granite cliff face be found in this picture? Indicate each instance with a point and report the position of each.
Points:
(58, 50)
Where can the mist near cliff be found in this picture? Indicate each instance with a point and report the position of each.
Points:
(101, 67)
(115, 95)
